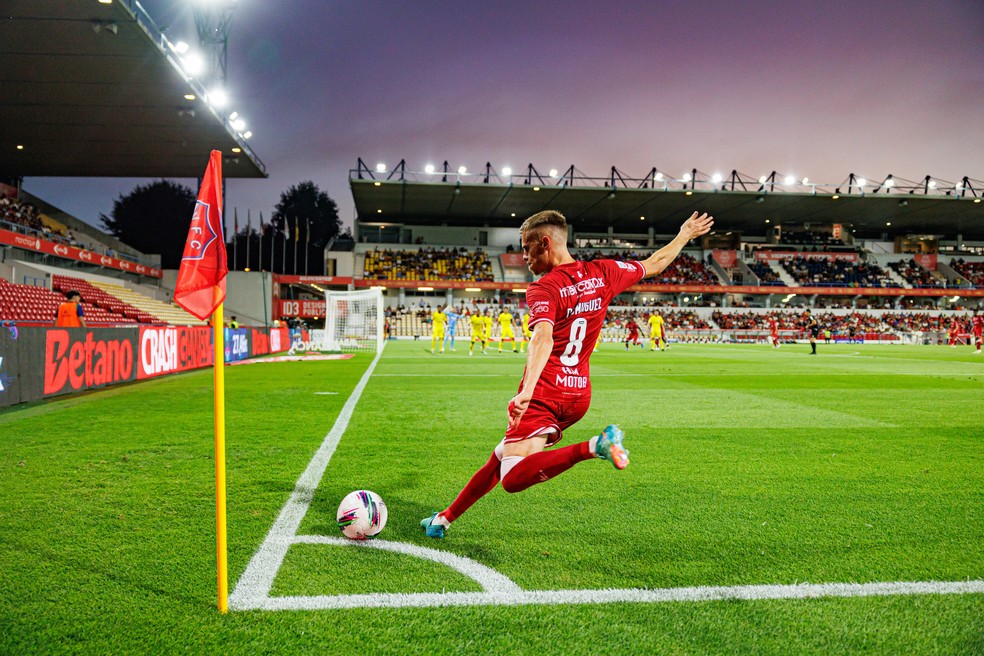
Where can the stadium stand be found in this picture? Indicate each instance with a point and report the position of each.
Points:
(971, 271)
(810, 238)
(125, 302)
(27, 303)
(916, 275)
(822, 272)
(766, 274)
(428, 264)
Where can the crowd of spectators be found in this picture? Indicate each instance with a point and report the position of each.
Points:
(20, 214)
(680, 319)
(765, 273)
(684, 270)
(428, 264)
(850, 324)
(917, 275)
(971, 271)
(823, 272)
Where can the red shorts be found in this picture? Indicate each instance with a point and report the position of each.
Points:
(542, 415)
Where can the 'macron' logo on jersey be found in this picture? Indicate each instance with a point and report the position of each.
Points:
(202, 232)
(581, 287)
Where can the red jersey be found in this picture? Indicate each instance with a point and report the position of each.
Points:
(633, 328)
(773, 326)
(978, 325)
(574, 298)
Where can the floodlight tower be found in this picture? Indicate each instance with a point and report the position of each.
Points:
(213, 18)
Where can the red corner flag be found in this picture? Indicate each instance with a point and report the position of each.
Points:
(201, 284)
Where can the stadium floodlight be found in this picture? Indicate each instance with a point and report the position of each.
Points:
(381, 167)
(507, 171)
(425, 289)
(238, 125)
(553, 173)
(247, 134)
(473, 289)
(835, 197)
(218, 98)
(890, 182)
(888, 223)
(716, 178)
(806, 181)
(862, 182)
(233, 116)
(762, 179)
(536, 188)
(180, 47)
(429, 168)
(658, 177)
(686, 177)
(193, 64)
(932, 184)
(190, 96)
(789, 180)
(462, 170)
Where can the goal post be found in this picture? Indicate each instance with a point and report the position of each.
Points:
(353, 321)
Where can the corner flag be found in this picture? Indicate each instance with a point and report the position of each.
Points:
(200, 289)
(201, 284)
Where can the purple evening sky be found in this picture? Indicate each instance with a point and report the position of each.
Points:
(818, 89)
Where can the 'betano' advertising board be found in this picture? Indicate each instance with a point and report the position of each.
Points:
(78, 359)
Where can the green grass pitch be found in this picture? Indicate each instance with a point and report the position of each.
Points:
(748, 466)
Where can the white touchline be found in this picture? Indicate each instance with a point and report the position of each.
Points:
(252, 592)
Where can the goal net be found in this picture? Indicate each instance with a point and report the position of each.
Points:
(353, 322)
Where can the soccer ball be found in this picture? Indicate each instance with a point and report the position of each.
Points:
(361, 515)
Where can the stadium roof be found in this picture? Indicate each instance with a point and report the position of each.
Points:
(91, 89)
(593, 204)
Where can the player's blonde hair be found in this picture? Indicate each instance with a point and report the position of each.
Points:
(544, 219)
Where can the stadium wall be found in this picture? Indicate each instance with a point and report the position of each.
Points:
(39, 363)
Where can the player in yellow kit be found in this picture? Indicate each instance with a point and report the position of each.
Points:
(438, 319)
(656, 335)
(506, 329)
(487, 320)
(477, 330)
(527, 333)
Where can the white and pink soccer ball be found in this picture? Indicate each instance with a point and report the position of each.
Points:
(361, 515)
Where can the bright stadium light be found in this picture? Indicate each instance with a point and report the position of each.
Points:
(507, 171)
(658, 177)
(193, 64)
(890, 182)
(762, 179)
(247, 134)
(553, 173)
(180, 47)
(381, 168)
(429, 168)
(716, 178)
(238, 125)
(789, 180)
(462, 170)
(233, 116)
(686, 177)
(217, 98)
(806, 181)
(862, 182)
(932, 184)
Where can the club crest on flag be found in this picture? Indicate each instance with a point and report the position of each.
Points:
(201, 234)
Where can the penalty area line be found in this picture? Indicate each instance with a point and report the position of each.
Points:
(660, 595)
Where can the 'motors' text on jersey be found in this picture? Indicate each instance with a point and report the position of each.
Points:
(574, 298)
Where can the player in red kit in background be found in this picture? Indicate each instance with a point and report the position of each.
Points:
(773, 332)
(567, 308)
(954, 331)
(633, 336)
(977, 325)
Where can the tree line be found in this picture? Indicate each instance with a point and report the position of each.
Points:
(154, 218)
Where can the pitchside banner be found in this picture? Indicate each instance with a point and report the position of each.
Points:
(77, 359)
(10, 383)
(39, 245)
(236, 344)
(170, 349)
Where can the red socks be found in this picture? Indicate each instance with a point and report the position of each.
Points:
(480, 484)
(543, 466)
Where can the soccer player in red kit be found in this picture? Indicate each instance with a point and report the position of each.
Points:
(954, 331)
(977, 325)
(567, 307)
(773, 332)
(633, 337)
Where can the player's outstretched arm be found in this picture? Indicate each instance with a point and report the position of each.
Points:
(693, 227)
(541, 345)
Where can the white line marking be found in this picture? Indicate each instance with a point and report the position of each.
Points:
(660, 595)
(326, 393)
(255, 583)
(490, 580)
(596, 374)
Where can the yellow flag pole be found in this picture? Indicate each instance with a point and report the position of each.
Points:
(220, 469)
